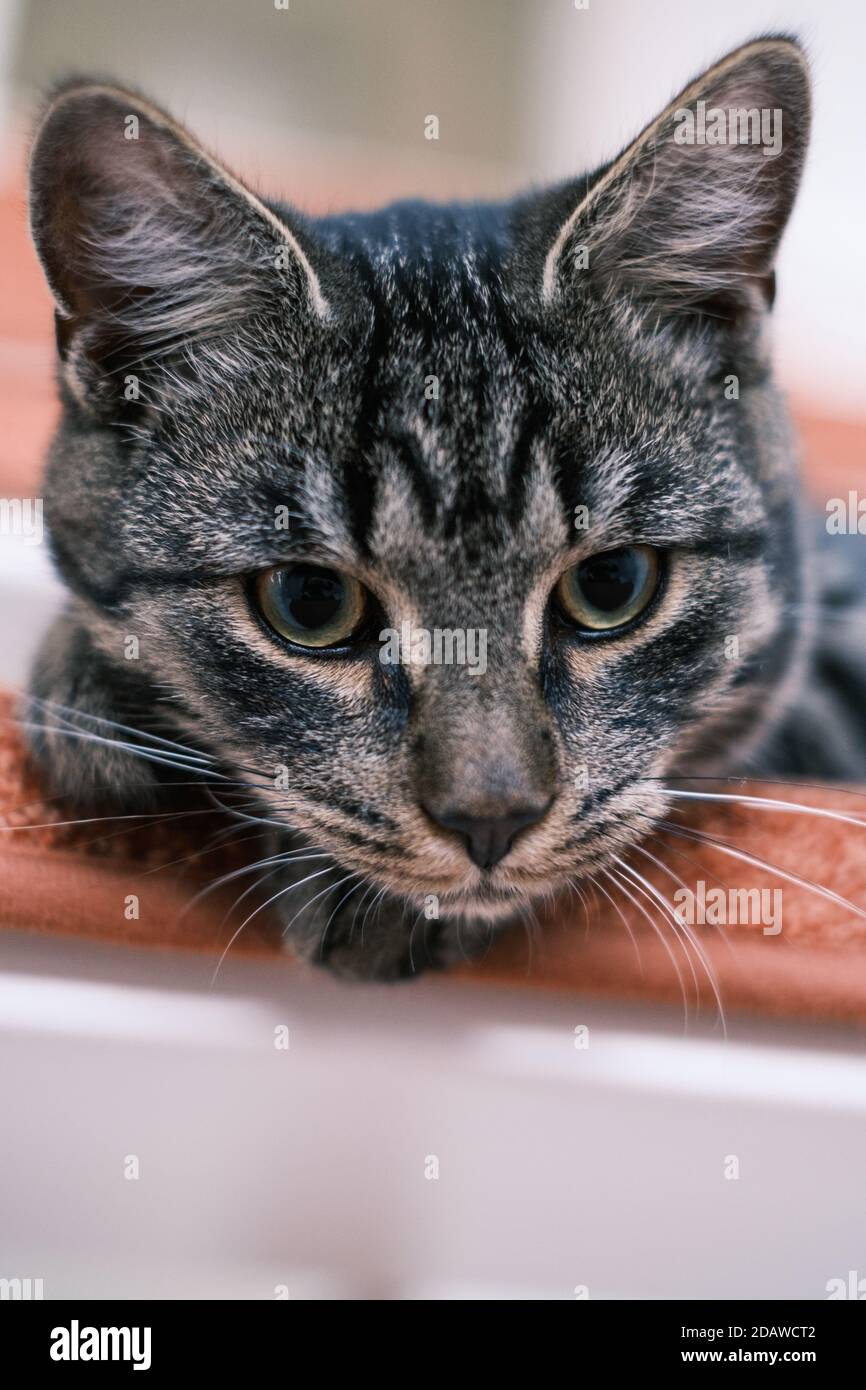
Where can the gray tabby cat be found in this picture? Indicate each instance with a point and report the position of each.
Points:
(284, 438)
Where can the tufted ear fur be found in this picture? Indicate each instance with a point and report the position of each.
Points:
(150, 247)
(688, 219)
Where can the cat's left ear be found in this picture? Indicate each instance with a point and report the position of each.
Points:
(689, 218)
(150, 246)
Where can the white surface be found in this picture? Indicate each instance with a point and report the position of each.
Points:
(557, 1167)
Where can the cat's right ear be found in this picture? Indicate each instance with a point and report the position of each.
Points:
(151, 247)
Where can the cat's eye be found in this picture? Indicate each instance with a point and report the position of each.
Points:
(609, 590)
(311, 605)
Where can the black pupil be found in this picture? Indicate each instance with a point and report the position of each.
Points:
(312, 597)
(609, 581)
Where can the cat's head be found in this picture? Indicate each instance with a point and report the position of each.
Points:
(533, 448)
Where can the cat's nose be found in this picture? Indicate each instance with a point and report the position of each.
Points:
(489, 838)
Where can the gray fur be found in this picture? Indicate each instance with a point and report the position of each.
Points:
(284, 362)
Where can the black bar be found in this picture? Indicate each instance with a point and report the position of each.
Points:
(229, 1338)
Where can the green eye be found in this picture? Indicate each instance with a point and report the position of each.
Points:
(609, 590)
(310, 605)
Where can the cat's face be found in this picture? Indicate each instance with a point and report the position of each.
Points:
(285, 442)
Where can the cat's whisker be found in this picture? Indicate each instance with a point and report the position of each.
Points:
(329, 888)
(690, 859)
(765, 803)
(622, 917)
(536, 930)
(104, 787)
(575, 888)
(740, 780)
(527, 927)
(207, 849)
(162, 818)
(134, 750)
(376, 901)
(145, 821)
(703, 838)
(680, 926)
(253, 887)
(594, 890)
(71, 714)
(411, 940)
(671, 873)
(593, 887)
(344, 898)
(259, 820)
(652, 895)
(577, 891)
(236, 828)
(241, 815)
(283, 891)
(91, 820)
(370, 886)
(380, 907)
(289, 857)
(612, 875)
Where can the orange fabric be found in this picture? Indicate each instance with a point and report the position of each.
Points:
(63, 880)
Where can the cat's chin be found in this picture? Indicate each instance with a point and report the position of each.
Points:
(486, 903)
(399, 945)
(392, 937)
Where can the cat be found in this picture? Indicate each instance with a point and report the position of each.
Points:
(551, 421)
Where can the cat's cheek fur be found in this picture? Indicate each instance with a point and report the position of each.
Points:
(82, 754)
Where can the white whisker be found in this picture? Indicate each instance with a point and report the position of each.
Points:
(289, 889)
(680, 926)
(622, 918)
(612, 875)
(767, 803)
(702, 838)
